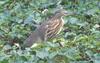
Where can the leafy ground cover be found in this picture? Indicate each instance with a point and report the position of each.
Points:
(80, 37)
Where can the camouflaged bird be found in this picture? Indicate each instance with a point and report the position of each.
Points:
(48, 29)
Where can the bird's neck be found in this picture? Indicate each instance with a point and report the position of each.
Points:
(57, 16)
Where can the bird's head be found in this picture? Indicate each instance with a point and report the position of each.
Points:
(63, 12)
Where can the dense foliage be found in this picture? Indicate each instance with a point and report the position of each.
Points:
(80, 37)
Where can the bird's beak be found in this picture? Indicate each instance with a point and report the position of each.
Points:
(69, 13)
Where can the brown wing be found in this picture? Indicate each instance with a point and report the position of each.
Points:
(54, 28)
(50, 28)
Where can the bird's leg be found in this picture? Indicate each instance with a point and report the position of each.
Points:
(60, 43)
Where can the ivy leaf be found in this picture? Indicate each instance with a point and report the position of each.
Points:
(42, 54)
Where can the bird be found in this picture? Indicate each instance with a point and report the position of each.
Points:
(47, 29)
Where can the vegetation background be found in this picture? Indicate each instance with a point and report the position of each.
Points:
(81, 34)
